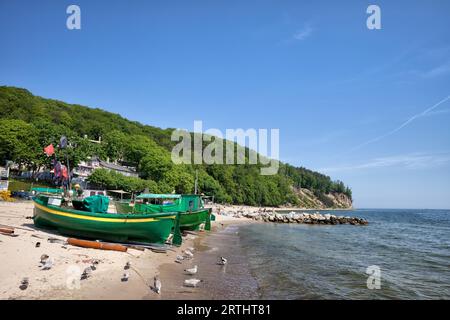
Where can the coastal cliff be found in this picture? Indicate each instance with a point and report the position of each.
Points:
(333, 200)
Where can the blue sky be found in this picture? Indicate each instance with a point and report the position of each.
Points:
(310, 68)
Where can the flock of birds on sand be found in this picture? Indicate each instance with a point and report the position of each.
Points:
(191, 282)
(46, 263)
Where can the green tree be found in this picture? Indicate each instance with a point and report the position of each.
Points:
(179, 179)
(29, 123)
(156, 164)
(115, 145)
(18, 143)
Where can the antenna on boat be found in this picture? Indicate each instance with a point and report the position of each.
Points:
(196, 181)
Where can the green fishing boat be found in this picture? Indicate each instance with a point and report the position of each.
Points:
(92, 221)
(190, 206)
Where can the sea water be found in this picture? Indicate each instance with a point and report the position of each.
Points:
(411, 248)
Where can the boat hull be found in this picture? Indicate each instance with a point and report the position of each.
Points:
(193, 220)
(154, 228)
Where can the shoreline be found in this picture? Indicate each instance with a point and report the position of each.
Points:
(21, 259)
(236, 209)
(207, 250)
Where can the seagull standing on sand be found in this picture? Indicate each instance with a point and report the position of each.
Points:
(188, 254)
(87, 272)
(179, 259)
(44, 257)
(48, 264)
(191, 271)
(157, 284)
(192, 282)
(222, 261)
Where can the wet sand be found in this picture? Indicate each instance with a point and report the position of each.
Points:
(232, 281)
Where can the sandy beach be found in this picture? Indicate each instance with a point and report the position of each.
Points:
(21, 259)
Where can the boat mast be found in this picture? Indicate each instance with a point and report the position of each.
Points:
(196, 181)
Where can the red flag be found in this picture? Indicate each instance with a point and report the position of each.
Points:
(64, 174)
(49, 150)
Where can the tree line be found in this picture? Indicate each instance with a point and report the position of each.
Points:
(28, 123)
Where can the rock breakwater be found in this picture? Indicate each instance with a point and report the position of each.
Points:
(305, 218)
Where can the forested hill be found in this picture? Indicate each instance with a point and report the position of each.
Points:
(28, 123)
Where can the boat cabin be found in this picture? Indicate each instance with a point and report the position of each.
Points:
(169, 202)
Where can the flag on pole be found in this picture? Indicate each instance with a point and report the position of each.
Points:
(49, 150)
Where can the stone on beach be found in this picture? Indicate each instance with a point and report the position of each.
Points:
(125, 277)
(24, 283)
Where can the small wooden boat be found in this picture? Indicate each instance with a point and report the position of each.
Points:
(53, 212)
(190, 206)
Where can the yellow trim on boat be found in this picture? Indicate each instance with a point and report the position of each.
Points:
(78, 216)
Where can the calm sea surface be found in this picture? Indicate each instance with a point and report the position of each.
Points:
(295, 261)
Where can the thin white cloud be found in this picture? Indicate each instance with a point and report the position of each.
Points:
(410, 161)
(404, 124)
(303, 33)
(437, 112)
